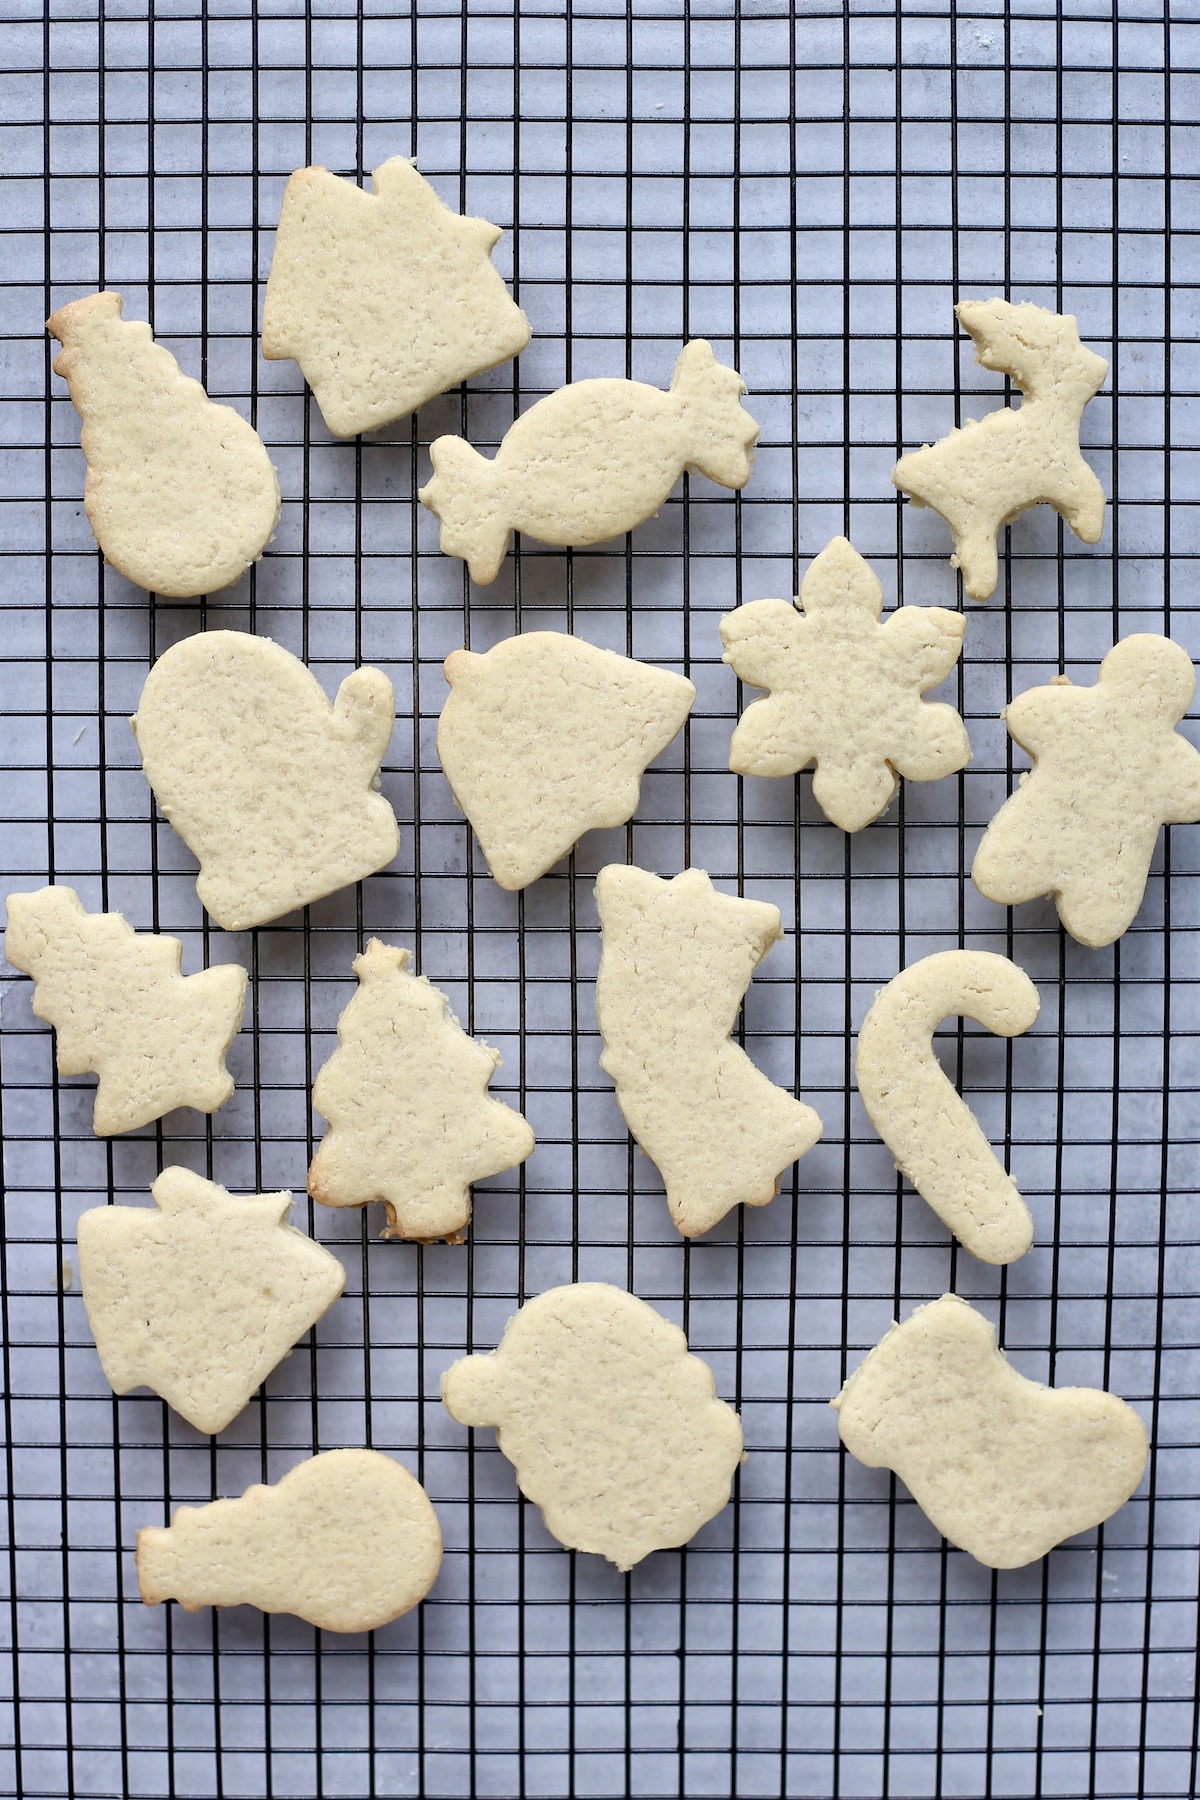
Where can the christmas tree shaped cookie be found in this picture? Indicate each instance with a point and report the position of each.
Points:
(180, 492)
(405, 1094)
(271, 787)
(546, 737)
(384, 299)
(122, 1010)
(201, 1298)
(845, 688)
(676, 961)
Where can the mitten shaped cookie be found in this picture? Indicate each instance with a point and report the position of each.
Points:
(845, 688)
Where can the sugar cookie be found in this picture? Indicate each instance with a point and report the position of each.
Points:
(122, 1010)
(268, 785)
(845, 688)
(983, 476)
(613, 1426)
(546, 737)
(180, 491)
(1002, 1466)
(676, 960)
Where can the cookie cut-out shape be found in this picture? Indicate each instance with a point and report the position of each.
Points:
(269, 786)
(612, 1424)
(675, 963)
(201, 1298)
(545, 737)
(383, 298)
(983, 476)
(411, 1122)
(122, 1010)
(933, 1135)
(1002, 1466)
(180, 491)
(1109, 771)
(591, 461)
(845, 688)
(347, 1540)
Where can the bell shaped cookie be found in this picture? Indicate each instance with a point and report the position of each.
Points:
(613, 1426)
(272, 789)
(675, 963)
(591, 461)
(1002, 1466)
(983, 476)
(347, 1540)
(1109, 771)
(201, 1298)
(845, 688)
(180, 491)
(546, 737)
(384, 298)
(410, 1119)
(121, 1009)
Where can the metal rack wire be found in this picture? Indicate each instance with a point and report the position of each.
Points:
(812, 192)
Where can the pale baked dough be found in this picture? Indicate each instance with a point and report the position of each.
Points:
(347, 1540)
(675, 963)
(383, 298)
(202, 1296)
(845, 688)
(1109, 771)
(613, 1426)
(180, 491)
(546, 737)
(122, 1010)
(411, 1122)
(983, 476)
(1002, 1466)
(934, 1137)
(591, 461)
(269, 786)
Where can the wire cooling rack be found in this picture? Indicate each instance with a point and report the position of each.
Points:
(811, 193)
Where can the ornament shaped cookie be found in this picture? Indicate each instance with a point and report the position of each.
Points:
(180, 491)
(545, 737)
(935, 1138)
(201, 1298)
(613, 1426)
(269, 786)
(122, 1010)
(983, 476)
(845, 688)
(410, 1119)
(347, 1540)
(676, 960)
(1002, 1466)
(383, 298)
(1109, 771)
(591, 461)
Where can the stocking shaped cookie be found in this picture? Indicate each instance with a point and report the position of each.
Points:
(384, 298)
(405, 1093)
(545, 737)
(613, 1426)
(1003, 1467)
(122, 1010)
(180, 492)
(1109, 770)
(201, 1298)
(983, 476)
(271, 787)
(676, 961)
(347, 1540)
(845, 688)
(591, 461)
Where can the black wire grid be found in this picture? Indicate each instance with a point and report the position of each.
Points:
(812, 194)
